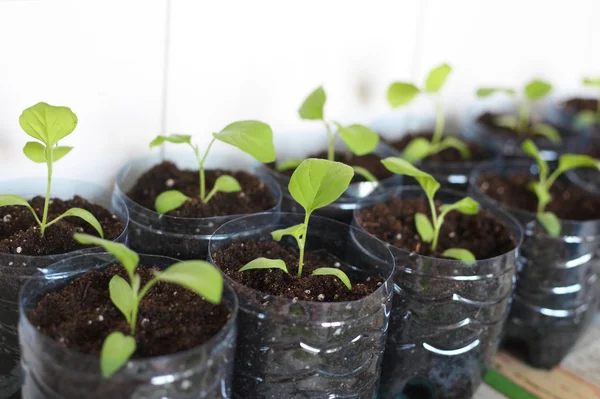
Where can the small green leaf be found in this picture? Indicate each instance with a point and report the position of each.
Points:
(135, 283)
(35, 151)
(537, 89)
(332, 271)
(417, 149)
(295, 231)
(48, 123)
(318, 182)
(460, 254)
(541, 193)
(360, 139)
(400, 93)
(549, 132)
(530, 148)
(437, 77)
(198, 276)
(424, 227)
(591, 81)
(550, 222)
(15, 200)
(573, 161)
(467, 206)
(224, 184)
(264, 263)
(401, 167)
(488, 91)
(59, 152)
(170, 200)
(459, 145)
(117, 349)
(585, 118)
(172, 138)
(507, 121)
(81, 214)
(252, 137)
(312, 107)
(368, 176)
(122, 296)
(126, 256)
(289, 164)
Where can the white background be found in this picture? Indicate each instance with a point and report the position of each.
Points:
(134, 69)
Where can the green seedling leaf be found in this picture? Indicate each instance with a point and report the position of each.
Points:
(59, 152)
(537, 89)
(360, 139)
(507, 121)
(124, 255)
(135, 283)
(295, 231)
(417, 149)
(170, 200)
(312, 107)
(368, 176)
(224, 184)
(122, 296)
(424, 227)
(467, 206)
(117, 349)
(488, 91)
(318, 182)
(84, 215)
(252, 137)
(550, 222)
(437, 77)
(400, 166)
(331, 271)
(264, 263)
(541, 193)
(591, 81)
(48, 123)
(289, 164)
(400, 93)
(173, 138)
(585, 118)
(197, 276)
(549, 132)
(15, 200)
(453, 142)
(35, 151)
(460, 254)
(530, 148)
(573, 161)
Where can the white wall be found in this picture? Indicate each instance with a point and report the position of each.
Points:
(132, 69)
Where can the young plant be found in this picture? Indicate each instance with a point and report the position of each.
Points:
(541, 188)
(522, 124)
(402, 93)
(360, 139)
(48, 124)
(198, 276)
(315, 183)
(588, 117)
(429, 229)
(253, 137)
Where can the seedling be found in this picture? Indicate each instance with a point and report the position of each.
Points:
(48, 124)
(541, 188)
(315, 183)
(360, 139)
(522, 124)
(429, 229)
(588, 117)
(198, 276)
(253, 137)
(402, 93)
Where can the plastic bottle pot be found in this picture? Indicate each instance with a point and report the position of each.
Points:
(557, 288)
(53, 371)
(15, 269)
(586, 178)
(300, 349)
(179, 237)
(447, 315)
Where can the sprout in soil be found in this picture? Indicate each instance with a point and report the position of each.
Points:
(429, 230)
(315, 183)
(588, 117)
(48, 124)
(401, 93)
(522, 124)
(541, 188)
(198, 276)
(252, 137)
(360, 139)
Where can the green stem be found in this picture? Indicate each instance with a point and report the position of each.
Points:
(438, 133)
(331, 144)
(434, 218)
(201, 170)
(139, 298)
(553, 178)
(48, 188)
(301, 247)
(523, 119)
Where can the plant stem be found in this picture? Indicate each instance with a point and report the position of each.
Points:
(436, 229)
(48, 188)
(201, 170)
(301, 247)
(331, 144)
(139, 298)
(550, 181)
(438, 133)
(523, 119)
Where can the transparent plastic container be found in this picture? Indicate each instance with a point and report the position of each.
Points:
(557, 289)
(178, 237)
(299, 349)
(55, 372)
(16, 269)
(586, 178)
(447, 316)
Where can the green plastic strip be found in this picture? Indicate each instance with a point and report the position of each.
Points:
(506, 387)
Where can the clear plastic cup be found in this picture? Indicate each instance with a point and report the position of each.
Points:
(178, 237)
(16, 269)
(447, 316)
(55, 372)
(557, 289)
(300, 349)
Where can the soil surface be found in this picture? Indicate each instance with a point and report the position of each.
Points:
(277, 282)
(255, 195)
(488, 119)
(394, 223)
(478, 152)
(568, 201)
(171, 318)
(576, 105)
(20, 233)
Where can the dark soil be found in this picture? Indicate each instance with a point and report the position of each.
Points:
(255, 195)
(394, 223)
(488, 119)
(20, 233)
(568, 201)
(478, 152)
(277, 282)
(171, 318)
(576, 105)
